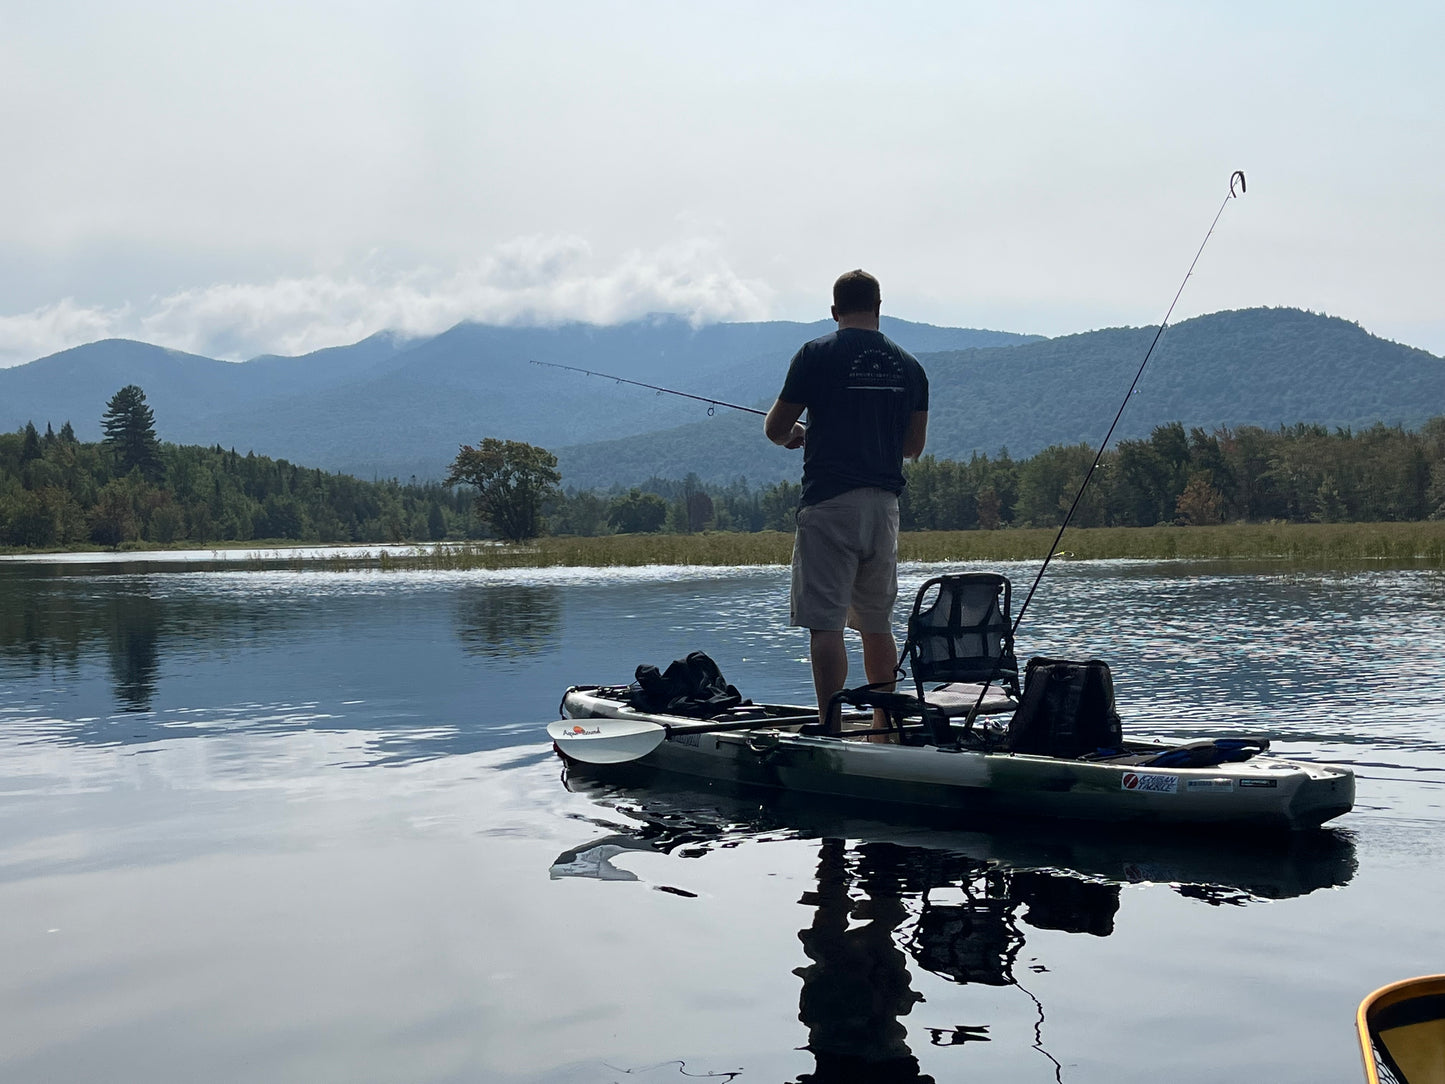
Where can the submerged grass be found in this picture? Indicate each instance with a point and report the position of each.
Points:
(1323, 543)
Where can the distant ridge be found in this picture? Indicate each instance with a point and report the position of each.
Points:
(390, 406)
(1264, 367)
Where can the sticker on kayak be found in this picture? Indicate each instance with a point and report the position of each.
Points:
(1259, 782)
(580, 732)
(1153, 784)
(1210, 786)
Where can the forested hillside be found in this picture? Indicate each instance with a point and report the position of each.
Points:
(1298, 474)
(1254, 367)
(56, 491)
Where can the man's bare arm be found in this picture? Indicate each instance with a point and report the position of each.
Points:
(917, 434)
(781, 426)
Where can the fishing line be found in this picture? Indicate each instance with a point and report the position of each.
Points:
(1053, 551)
(712, 403)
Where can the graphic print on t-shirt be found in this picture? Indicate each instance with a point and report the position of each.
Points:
(876, 370)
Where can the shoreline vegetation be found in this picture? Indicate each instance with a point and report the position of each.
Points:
(133, 490)
(1303, 543)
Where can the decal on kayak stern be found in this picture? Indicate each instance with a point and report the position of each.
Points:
(1210, 786)
(1152, 784)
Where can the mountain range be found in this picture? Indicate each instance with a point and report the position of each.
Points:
(392, 406)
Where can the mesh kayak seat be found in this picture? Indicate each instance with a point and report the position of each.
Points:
(959, 633)
(960, 640)
(957, 699)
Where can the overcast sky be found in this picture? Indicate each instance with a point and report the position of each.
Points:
(243, 178)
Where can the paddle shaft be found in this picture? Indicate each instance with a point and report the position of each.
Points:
(678, 730)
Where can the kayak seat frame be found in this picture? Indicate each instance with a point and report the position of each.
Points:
(959, 634)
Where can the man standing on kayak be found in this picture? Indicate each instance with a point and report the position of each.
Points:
(867, 404)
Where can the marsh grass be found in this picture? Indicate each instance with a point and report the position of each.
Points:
(1324, 543)
(622, 550)
(1308, 542)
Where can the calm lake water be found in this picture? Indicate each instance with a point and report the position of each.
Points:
(278, 825)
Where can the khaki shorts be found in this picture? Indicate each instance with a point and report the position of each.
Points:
(845, 562)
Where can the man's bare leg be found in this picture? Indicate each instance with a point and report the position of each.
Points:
(880, 663)
(829, 657)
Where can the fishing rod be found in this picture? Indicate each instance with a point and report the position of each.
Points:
(1053, 551)
(712, 403)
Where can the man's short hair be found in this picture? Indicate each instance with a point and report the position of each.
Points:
(856, 291)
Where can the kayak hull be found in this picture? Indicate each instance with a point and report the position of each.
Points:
(1401, 1029)
(1263, 792)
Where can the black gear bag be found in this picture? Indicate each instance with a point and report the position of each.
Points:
(692, 686)
(1067, 710)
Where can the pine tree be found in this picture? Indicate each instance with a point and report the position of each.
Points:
(30, 443)
(130, 431)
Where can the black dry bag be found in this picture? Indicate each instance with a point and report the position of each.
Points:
(1067, 710)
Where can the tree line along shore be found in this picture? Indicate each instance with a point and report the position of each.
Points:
(1300, 491)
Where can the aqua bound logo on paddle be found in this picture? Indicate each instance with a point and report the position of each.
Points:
(582, 732)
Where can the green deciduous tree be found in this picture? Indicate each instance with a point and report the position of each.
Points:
(113, 519)
(583, 514)
(637, 513)
(130, 432)
(513, 480)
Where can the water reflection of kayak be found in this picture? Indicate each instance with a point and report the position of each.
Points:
(673, 818)
(891, 899)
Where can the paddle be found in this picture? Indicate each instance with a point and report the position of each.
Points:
(616, 741)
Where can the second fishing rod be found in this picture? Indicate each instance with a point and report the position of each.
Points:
(712, 403)
(1237, 177)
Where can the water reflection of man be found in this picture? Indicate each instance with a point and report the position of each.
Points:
(858, 985)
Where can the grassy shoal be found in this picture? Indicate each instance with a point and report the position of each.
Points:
(1326, 543)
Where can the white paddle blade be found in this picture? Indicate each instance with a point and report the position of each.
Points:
(606, 741)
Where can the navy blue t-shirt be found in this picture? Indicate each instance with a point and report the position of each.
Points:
(860, 388)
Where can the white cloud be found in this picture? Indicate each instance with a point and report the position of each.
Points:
(535, 280)
(54, 327)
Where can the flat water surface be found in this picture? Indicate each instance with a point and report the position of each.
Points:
(279, 825)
